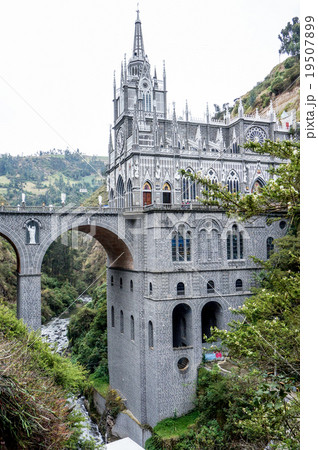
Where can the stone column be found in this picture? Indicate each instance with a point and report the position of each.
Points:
(29, 300)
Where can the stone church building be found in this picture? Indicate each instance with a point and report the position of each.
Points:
(191, 262)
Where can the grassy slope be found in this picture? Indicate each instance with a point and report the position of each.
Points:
(34, 385)
(45, 171)
(282, 85)
(93, 199)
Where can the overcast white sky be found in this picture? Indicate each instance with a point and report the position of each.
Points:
(58, 59)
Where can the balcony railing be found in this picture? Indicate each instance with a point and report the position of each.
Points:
(73, 209)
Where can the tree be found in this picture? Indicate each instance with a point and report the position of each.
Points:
(252, 98)
(290, 38)
(269, 335)
(280, 196)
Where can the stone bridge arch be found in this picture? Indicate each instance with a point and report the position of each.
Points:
(17, 244)
(119, 250)
(108, 229)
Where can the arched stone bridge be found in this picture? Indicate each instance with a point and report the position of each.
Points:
(32, 230)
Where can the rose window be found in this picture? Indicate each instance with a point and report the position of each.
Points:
(256, 134)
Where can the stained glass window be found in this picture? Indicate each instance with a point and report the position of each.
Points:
(235, 244)
(188, 245)
(233, 182)
(174, 246)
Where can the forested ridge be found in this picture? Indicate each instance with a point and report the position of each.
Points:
(72, 262)
(43, 177)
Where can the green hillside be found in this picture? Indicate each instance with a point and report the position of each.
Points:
(45, 176)
(281, 85)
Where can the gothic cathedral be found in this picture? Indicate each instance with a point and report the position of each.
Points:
(191, 263)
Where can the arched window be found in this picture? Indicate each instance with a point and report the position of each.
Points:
(112, 316)
(258, 185)
(120, 193)
(150, 288)
(166, 194)
(228, 246)
(150, 334)
(235, 244)
(233, 182)
(235, 147)
(188, 188)
(147, 194)
(241, 244)
(174, 246)
(132, 328)
(182, 325)
(210, 287)
(209, 244)
(146, 97)
(181, 245)
(215, 245)
(269, 246)
(121, 321)
(120, 283)
(211, 316)
(131, 285)
(212, 176)
(188, 245)
(180, 289)
(203, 245)
(112, 280)
(239, 285)
(129, 194)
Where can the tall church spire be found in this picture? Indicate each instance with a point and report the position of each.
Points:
(138, 58)
(138, 48)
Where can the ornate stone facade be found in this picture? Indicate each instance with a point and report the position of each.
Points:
(151, 145)
(195, 261)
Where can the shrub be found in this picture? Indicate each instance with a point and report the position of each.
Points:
(277, 86)
(290, 62)
(87, 333)
(68, 375)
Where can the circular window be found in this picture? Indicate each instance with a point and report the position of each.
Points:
(256, 134)
(282, 224)
(183, 364)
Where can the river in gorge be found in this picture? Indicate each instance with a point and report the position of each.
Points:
(55, 333)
